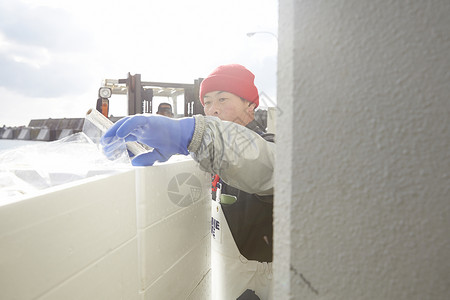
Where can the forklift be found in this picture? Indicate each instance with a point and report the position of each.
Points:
(140, 95)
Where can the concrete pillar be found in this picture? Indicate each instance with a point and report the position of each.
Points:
(362, 203)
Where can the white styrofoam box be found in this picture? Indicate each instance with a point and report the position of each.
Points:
(168, 188)
(188, 278)
(51, 236)
(173, 219)
(140, 234)
(203, 290)
(113, 277)
(163, 244)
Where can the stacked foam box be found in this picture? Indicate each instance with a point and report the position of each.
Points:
(173, 231)
(71, 242)
(140, 234)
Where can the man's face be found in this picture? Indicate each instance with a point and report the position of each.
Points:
(165, 110)
(228, 107)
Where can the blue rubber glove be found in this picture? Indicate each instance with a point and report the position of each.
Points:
(166, 135)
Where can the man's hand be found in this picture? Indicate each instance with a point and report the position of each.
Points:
(167, 136)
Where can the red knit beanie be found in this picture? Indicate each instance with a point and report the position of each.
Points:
(235, 79)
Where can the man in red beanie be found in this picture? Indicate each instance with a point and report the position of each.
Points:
(227, 142)
(242, 252)
(230, 94)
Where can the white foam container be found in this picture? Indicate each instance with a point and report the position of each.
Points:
(120, 236)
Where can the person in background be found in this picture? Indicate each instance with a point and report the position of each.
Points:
(165, 109)
(228, 143)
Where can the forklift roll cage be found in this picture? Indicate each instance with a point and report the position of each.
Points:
(140, 94)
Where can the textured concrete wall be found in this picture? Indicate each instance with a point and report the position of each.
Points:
(363, 163)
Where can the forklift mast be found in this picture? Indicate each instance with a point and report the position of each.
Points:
(140, 94)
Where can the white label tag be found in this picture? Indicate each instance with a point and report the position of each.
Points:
(218, 192)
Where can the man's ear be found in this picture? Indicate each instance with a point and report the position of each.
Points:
(251, 107)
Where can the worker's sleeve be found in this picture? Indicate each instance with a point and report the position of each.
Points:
(240, 156)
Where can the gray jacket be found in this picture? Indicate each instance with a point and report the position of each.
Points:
(241, 157)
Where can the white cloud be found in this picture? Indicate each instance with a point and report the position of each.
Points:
(55, 53)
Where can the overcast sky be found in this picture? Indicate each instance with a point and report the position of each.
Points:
(54, 54)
